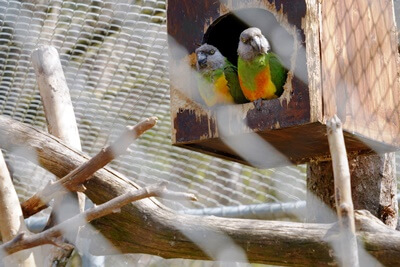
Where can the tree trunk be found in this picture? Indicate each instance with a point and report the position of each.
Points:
(373, 184)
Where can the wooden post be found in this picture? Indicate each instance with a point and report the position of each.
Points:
(61, 123)
(373, 184)
(11, 219)
(344, 203)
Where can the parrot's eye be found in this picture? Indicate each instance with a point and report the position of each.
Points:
(244, 40)
(212, 52)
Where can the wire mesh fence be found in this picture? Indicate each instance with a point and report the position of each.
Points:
(115, 59)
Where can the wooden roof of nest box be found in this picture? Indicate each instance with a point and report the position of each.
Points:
(342, 59)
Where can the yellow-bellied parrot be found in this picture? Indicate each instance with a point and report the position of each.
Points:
(218, 81)
(261, 73)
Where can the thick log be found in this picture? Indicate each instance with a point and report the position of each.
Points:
(149, 227)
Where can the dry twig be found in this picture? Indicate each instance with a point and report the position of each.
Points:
(49, 236)
(75, 179)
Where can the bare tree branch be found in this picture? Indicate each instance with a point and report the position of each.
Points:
(55, 95)
(61, 123)
(11, 220)
(74, 180)
(23, 241)
(344, 203)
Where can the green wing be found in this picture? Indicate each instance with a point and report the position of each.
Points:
(278, 72)
(231, 75)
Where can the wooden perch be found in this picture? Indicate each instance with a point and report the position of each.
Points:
(49, 236)
(148, 227)
(11, 219)
(75, 179)
(56, 99)
(61, 123)
(344, 203)
(55, 95)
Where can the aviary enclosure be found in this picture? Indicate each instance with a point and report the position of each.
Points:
(268, 174)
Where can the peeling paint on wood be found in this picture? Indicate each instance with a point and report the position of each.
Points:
(190, 126)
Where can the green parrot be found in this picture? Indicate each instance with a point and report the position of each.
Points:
(261, 74)
(218, 81)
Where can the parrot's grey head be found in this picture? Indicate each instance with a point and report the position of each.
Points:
(252, 43)
(209, 58)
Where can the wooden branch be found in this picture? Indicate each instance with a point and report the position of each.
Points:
(56, 99)
(10, 210)
(148, 227)
(11, 219)
(55, 95)
(61, 123)
(344, 203)
(49, 236)
(75, 179)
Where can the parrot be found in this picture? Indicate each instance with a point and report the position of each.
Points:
(218, 80)
(261, 73)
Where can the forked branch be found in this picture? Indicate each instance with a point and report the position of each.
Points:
(75, 179)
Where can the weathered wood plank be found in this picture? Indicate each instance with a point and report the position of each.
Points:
(359, 67)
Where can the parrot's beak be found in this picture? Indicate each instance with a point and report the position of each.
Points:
(201, 60)
(256, 43)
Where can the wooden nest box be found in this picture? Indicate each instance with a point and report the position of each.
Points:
(342, 59)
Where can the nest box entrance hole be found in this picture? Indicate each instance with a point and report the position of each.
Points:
(224, 33)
